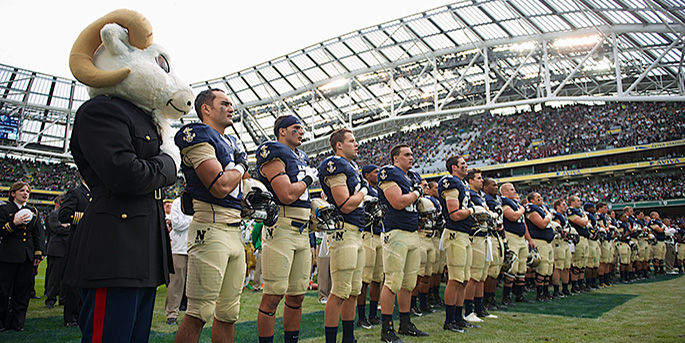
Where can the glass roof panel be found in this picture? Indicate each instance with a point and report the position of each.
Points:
(550, 24)
(423, 28)
(473, 16)
(438, 42)
(530, 8)
(498, 10)
(621, 17)
(603, 4)
(563, 6)
(353, 63)
(446, 21)
(491, 31)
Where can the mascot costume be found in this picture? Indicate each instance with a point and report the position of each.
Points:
(123, 146)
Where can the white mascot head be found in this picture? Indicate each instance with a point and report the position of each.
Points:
(115, 55)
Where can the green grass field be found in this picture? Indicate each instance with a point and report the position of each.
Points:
(648, 311)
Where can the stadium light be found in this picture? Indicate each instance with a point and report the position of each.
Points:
(576, 42)
(334, 84)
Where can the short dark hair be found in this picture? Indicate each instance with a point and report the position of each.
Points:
(395, 151)
(452, 161)
(432, 184)
(15, 187)
(206, 97)
(601, 204)
(488, 180)
(471, 174)
(531, 196)
(338, 136)
(557, 203)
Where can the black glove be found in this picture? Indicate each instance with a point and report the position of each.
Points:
(240, 157)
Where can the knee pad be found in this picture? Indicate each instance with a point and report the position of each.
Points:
(539, 278)
(230, 314)
(575, 270)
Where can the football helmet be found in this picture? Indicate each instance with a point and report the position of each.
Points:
(324, 217)
(534, 258)
(427, 214)
(509, 258)
(258, 203)
(374, 211)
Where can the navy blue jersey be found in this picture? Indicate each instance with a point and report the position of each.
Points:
(593, 222)
(582, 231)
(295, 162)
(196, 134)
(477, 199)
(378, 228)
(517, 227)
(538, 232)
(632, 224)
(561, 217)
(623, 228)
(660, 236)
(406, 219)
(493, 203)
(435, 202)
(603, 219)
(335, 165)
(445, 184)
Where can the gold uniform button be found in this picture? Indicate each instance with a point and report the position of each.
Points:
(124, 216)
(24, 240)
(147, 138)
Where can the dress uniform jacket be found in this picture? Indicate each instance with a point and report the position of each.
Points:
(122, 240)
(74, 206)
(22, 243)
(58, 236)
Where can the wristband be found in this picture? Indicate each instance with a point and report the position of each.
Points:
(308, 180)
(471, 211)
(417, 194)
(240, 168)
(365, 191)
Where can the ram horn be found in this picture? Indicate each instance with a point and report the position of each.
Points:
(81, 56)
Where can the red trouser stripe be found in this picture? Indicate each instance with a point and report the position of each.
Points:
(99, 314)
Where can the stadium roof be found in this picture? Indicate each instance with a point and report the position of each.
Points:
(464, 57)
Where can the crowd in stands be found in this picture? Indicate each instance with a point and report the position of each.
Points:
(40, 175)
(532, 135)
(655, 187)
(574, 129)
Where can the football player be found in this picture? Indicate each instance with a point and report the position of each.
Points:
(213, 165)
(399, 189)
(562, 250)
(538, 222)
(644, 251)
(517, 235)
(606, 254)
(579, 221)
(373, 262)
(658, 228)
(457, 209)
(494, 203)
(481, 243)
(428, 257)
(439, 266)
(625, 230)
(286, 255)
(344, 186)
(593, 247)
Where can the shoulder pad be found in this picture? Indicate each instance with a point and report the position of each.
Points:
(388, 173)
(192, 134)
(271, 150)
(333, 165)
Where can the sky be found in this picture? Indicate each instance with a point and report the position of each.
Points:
(205, 39)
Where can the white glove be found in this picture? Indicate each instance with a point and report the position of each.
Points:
(479, 209)
(310, 175)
